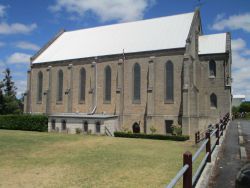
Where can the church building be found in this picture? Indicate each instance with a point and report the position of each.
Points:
(158, 73)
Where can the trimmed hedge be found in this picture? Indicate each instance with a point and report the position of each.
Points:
(24, 122)
(151, 136)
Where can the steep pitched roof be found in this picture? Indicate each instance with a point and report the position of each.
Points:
(147, 35)
(212, 44)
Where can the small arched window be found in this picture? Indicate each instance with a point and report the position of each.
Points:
(107, 84)
(82, 86)
(212, 68)
(53, 124)
(213, 101)
(169, 81)
(60, 85)
(85, 126)
(98, 127)
(64, 126)
(39, 87)
(137, 82)
(136, 128)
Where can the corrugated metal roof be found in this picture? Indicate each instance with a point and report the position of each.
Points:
(147, 35)
(212, 44)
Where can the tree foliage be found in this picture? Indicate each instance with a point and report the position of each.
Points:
(9, 104)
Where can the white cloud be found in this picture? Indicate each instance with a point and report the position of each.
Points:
(21, 87)
(240, 68)
(16, 28)
(106, 10)
(238, 44)
(2, 44)
(18, 58)
(2, 10)
(234, 22)
(27, 46)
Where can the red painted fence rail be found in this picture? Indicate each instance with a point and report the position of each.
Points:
(190, 180)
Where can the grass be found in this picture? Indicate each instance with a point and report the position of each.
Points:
(33, 159)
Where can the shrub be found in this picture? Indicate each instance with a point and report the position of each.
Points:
(152, 129)
(177, 130)
(78, 131)
(24, 122)
(152, 136)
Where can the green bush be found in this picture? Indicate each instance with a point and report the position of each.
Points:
(152, 136)
(24, 122)
(78, 131)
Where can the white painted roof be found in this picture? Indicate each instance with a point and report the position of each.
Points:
(239, 96)
(212, 44)
(146, 35)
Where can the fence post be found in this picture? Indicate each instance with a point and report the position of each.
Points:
(208, 146)
(187, 176)
(196, 137)
(217, 134)
(221, 128)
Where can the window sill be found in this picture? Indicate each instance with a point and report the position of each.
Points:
(211, 77)
(106, 102)
(213, 108)
(169, 102)
(81, 102)
(59, 102)
(136, 102)
(39, 102)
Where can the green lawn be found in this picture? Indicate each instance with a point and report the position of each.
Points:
(33, 159)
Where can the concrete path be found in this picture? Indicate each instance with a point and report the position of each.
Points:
(245, 127)
(229, 162)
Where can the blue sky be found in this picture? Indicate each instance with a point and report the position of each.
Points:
(25, 26)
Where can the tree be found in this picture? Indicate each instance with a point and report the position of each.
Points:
(1, 98)
(9, 104)
(9, 85)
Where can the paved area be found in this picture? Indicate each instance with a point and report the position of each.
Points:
(228, 162)
(245, 126)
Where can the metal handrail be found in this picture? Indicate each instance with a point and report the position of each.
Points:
(199, 169)
(178, 176)
(197, 153)
(214, 131)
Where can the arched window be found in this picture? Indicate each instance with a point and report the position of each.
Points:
(169, 81)
(85, 126)
(213, 101)
(53, 124)
(98, 127)
(82, 87)
(60, 85)
(136, 128)
(137, 82)
(39, 87)
(64, 126)
(107, 84)
(212, 68)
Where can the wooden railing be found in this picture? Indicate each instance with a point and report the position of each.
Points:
(190, 180)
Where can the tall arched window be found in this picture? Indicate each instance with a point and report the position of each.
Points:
(82, 86)
(107, 83)
(60, 85)
(213, 101)
(39, 87)
(212, 68)
(169, 81)
(137, 82)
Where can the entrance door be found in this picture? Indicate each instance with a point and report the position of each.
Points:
(168, 126)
